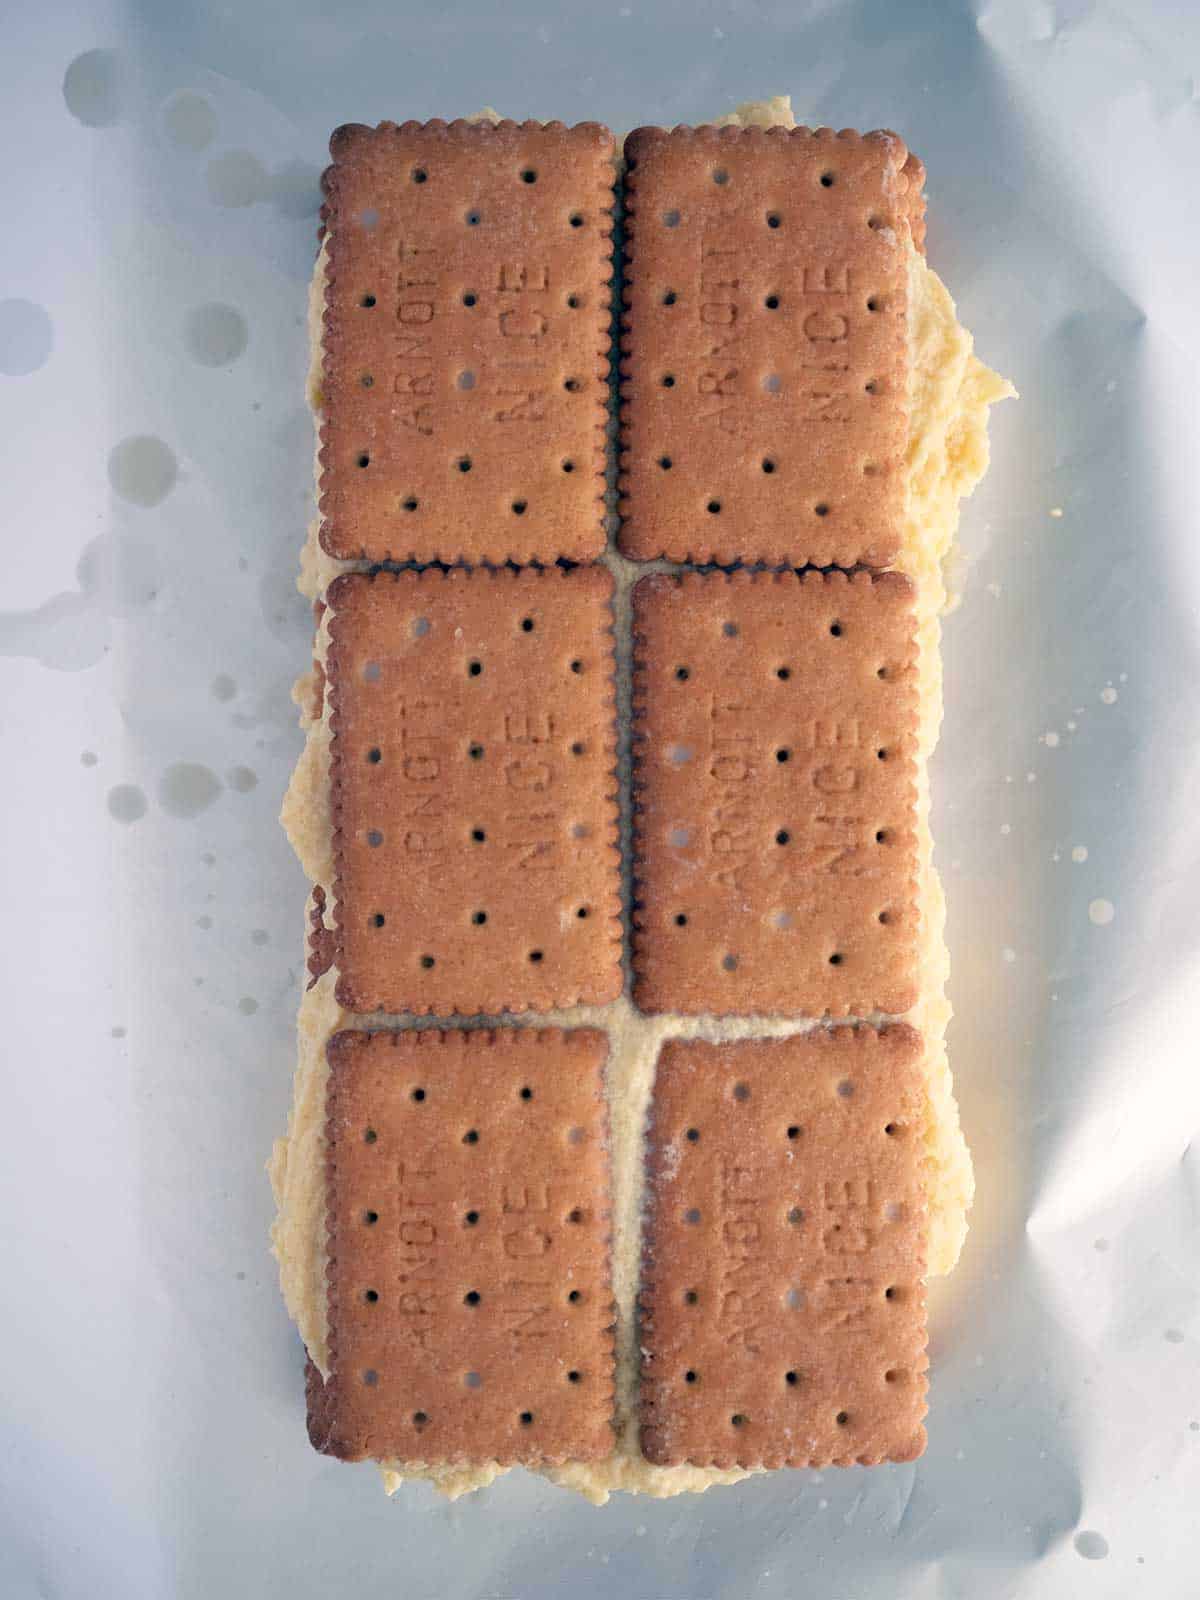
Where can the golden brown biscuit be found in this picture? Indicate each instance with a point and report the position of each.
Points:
(473, 789)
(775, 860)
(465, 341)
(765, 347)
(783, 1296)
(470, 1313)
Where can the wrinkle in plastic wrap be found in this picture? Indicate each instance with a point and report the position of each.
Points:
(158, 453)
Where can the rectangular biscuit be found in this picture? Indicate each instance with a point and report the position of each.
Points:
(775, 859)
(782, 1301)
(465, 341)
(469, 1298)
(765, 348)
(474, 790)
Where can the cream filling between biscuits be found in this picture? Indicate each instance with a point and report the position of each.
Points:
(950, 392)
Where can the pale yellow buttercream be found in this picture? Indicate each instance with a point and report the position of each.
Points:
(950, 392)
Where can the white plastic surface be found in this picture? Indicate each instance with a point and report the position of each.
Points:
(161, 205)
